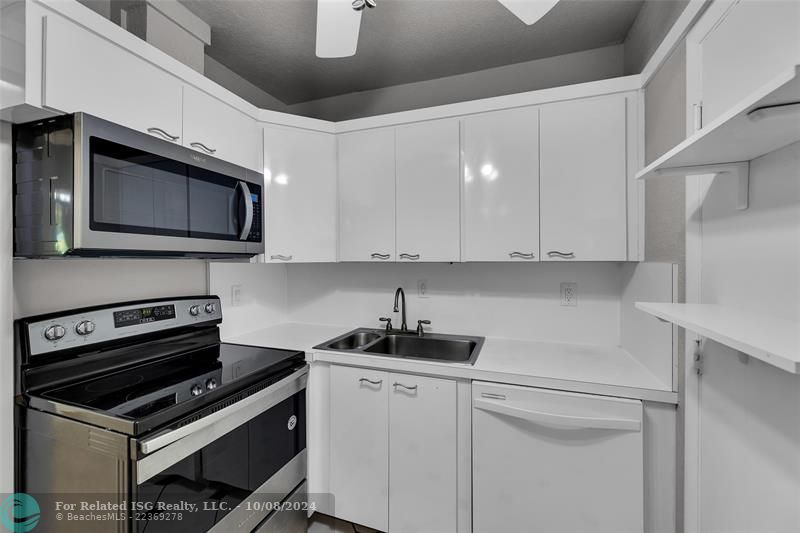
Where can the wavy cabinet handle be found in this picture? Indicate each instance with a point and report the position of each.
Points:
(543, 418)
(281, 257)
(562, 255)
(407, 387)
(376, 255)
(413, 257)
(203, 147)
(162, 133)
(521, 255)
(370, 381)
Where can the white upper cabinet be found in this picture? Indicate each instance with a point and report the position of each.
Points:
(300, 195)
(84, 72)
(214, 128)
(736, 47)
(428, 191)
(501, 186)
(366, 196)
(583, 180)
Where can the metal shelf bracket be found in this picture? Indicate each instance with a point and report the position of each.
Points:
(739, 170)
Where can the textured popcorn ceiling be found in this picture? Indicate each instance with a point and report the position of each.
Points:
(271, 43)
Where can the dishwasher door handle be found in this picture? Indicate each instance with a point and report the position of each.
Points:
(554, 419)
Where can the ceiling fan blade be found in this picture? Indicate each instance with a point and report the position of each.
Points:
(529, 11)
(337, 28)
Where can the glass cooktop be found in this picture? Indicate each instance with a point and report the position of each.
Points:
(193, 377)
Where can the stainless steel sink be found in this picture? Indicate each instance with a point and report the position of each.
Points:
(430, 347)
(354, 341)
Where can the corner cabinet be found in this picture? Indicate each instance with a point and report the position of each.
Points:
(389, 468)
(214, 128)
(428, 191)
(583, 180)
(300, 195)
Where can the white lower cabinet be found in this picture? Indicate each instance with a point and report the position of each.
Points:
(422, 454)
(393, 450)
(359, 460)
(555, 461)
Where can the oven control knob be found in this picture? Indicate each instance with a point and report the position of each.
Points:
(194, 310)
(196, 390)
(210, 308)
(211, 384)
(53, 333)
(85, 327)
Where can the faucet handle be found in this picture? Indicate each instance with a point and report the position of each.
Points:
(420, 331)
(388, 322)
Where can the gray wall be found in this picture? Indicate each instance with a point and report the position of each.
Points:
(648, 30)
(590, 65)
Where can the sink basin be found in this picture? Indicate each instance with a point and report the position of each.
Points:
(431, 347)
(424, 347)
(354, 340)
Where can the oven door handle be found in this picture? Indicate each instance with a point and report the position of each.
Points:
(244, 190)
(165, 449)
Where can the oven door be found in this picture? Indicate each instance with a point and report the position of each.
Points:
(225, 471)
(136, 193)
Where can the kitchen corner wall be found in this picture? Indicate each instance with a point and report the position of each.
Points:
(513, 300)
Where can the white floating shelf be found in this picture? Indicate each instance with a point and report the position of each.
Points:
(774, 341)
(756, 125)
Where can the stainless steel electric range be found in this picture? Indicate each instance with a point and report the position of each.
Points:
(140, 410)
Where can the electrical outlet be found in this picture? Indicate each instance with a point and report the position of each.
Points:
(422, 288)
(236, 295)
(569, 294)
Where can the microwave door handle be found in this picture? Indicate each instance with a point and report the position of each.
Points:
(244, 190)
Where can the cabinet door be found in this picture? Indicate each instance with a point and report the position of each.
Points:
(555, 461)
(214, 128)
(366, 196)
(300, 180)
(84, 72)
(501, 186)
(583, 180)
(428, 192)
(738, 46)
(422, 454)
(359, 469)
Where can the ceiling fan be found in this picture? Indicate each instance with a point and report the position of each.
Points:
(338, 22)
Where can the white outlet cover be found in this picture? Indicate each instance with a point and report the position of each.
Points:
(236, 295)
(569, 294)
(422, 288)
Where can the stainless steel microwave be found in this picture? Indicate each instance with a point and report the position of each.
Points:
(87, 187)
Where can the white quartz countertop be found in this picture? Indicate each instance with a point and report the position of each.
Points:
(607, 370)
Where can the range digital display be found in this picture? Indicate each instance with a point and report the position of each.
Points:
(143, 315)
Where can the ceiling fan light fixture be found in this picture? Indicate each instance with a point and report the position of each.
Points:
(337, 28)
